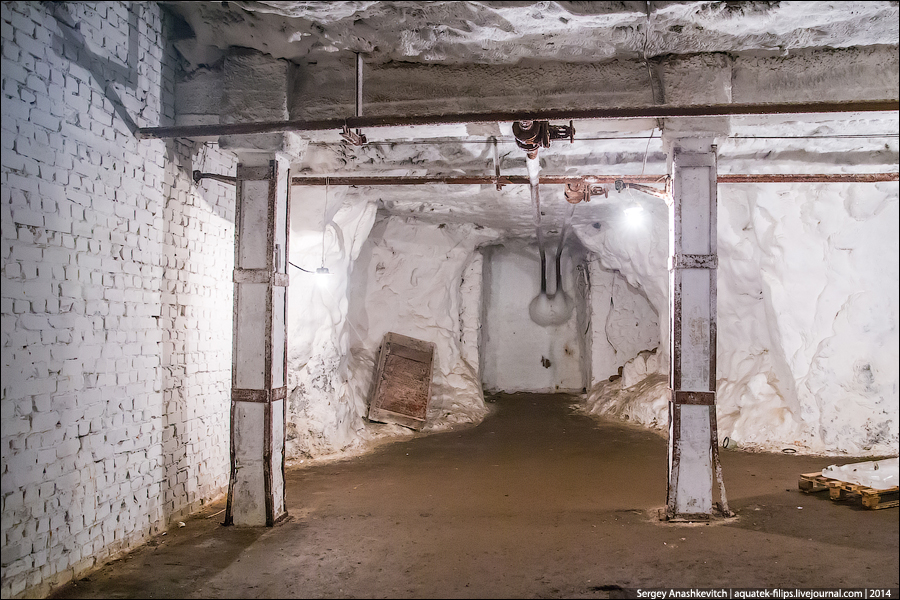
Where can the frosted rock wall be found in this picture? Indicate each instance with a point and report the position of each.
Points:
(637, 253)
(631, 255)
(470, 313)
(320, 420)
(415, 279)
(623, 322)
(408, 280)
(808, 317)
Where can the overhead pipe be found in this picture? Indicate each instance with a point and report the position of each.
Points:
(577, 182)
(472, 179)
(638, 112)
(810, 178)
(590, 179)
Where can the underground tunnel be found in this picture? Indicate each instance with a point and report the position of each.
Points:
(649, 251)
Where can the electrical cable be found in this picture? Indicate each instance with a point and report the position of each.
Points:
(301, 268)
(324, 223)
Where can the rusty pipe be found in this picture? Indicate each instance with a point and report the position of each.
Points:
(530, 136)
(472, 179)
(198, 176)
(589, 179)
(637, 112)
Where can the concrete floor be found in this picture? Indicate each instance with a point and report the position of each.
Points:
(535, 502)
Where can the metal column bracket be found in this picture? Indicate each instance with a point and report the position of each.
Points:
(693, 261)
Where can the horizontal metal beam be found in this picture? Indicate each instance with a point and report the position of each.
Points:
(590, 179)
(473, 180)
(637, 112)
(565, 179)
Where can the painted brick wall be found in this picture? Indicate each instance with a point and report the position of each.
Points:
(116, 294)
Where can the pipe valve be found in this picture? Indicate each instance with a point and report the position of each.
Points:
(581, 191)
(533, 135)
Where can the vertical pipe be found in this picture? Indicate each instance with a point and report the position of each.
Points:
(359, 84)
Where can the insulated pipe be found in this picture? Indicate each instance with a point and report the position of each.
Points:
(559, 248)
(536, 203)
(644, 112)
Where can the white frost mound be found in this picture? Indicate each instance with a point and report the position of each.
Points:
(807, 341)
(641, 395)
(876, 474)
(387, 275)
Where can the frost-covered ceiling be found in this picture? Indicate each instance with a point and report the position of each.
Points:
(510, 32)
(411, 38)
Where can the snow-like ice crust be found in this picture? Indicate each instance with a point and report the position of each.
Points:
(507, 32)
(385, 275)
(807, 318)
(876, 474)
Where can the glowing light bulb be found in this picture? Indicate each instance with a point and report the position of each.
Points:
(322, 274)
(634, 215)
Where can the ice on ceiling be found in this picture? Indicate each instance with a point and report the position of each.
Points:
(510, 32)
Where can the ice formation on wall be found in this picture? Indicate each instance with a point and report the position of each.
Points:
(319, 422)
(808, 317)
(623, 322)
(405, 277)
(409, 280)
(877, 474)
(636, 253)
(817, 268)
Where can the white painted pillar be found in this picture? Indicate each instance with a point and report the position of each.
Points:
(693, 444)
(259, 351)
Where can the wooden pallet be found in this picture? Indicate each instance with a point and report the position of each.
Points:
(871, 498)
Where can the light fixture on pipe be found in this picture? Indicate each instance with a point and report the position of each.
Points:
(322, 271)
(634, 214)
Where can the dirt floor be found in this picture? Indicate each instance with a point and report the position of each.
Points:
(537, 501)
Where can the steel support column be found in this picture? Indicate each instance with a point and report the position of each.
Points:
(693, 444)
(259, 350)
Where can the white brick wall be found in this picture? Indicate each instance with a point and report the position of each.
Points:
(116, 276)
